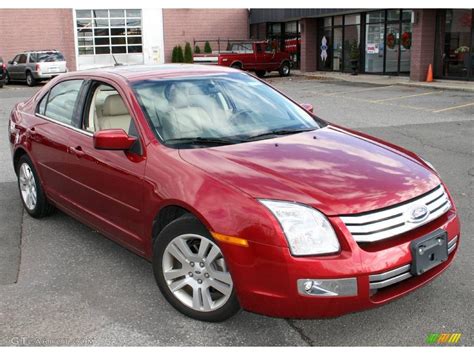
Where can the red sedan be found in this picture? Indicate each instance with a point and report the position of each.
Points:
(240, 197)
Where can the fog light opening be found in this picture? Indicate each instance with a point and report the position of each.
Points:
(327, 287)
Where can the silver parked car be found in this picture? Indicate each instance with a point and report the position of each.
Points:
(35, 66)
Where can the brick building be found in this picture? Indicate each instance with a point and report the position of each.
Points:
(384, 41)
(188, 25)
(91, 38)
(56, 32)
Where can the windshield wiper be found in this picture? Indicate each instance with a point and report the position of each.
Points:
(278, 132)
(201, 141)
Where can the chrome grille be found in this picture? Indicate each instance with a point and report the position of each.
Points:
(401, 273)
(392, 221)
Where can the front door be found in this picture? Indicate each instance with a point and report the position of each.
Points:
(110, 182)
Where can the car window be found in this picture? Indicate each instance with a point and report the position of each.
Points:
(15, 60)
(42, 105)
(46, 57)
(62, 101)
(22, 59)
(107, 110)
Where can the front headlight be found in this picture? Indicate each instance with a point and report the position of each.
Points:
(307, 230)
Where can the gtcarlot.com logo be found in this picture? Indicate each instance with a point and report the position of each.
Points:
(443, 338)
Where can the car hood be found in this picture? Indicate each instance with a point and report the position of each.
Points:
(331, 169)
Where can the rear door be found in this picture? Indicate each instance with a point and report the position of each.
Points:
(52, 138)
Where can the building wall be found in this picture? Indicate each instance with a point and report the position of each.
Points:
(28, 29)
(181, 25)
(423, 49)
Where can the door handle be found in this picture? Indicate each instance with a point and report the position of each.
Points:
(77, 151)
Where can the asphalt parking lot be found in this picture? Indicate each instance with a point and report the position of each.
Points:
(62, 283)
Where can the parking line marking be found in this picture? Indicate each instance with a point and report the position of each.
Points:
(406, 96)
(356, 91)
(453, 107)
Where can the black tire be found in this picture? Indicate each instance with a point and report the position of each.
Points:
(260, 73)
(187, 224)
(1, 84)
(30, 80)
(42, 207)
(236, 66)
(285, 69)
(7, 79)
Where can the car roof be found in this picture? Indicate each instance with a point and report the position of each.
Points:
(161, 71)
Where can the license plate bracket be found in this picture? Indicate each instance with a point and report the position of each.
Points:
(429, 251)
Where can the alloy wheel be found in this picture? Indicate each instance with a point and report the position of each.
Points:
(28, 186)
(196, 273)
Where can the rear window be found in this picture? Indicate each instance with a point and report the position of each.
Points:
(46, 57)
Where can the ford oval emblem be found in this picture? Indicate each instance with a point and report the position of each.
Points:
(417, 214)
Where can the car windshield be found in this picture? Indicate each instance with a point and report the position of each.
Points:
(219, 109)
(46, 57)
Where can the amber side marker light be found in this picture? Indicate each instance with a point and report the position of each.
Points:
(230, 240)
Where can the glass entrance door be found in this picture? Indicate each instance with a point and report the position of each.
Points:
(337, 49)
(392, 41)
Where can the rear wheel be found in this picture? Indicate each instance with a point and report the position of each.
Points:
(285, 69)
(191, 272)
(30, 80)
(31, 191)
(260, 73)
(236, 66)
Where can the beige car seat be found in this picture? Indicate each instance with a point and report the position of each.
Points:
(114, 114)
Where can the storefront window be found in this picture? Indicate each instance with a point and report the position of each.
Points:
(351, 40)
(292, 41)
(457, 52)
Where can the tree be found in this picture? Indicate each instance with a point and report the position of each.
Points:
(207, 47)
(179, 54)
(188, 53)
(197, 50)
(174, 54)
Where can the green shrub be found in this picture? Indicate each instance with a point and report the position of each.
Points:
(179, 54)
(188, 53)
(197, 50)
(207, 47)
(174, 54)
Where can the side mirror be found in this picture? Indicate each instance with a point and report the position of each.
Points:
(307, 107)
(113, 139)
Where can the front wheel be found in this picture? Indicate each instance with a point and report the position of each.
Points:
(285, 69)
(7, 79)
(260, 73)
(191, 272)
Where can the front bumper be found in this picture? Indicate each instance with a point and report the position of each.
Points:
(266, 277)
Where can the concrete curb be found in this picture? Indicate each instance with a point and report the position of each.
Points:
(465, 86)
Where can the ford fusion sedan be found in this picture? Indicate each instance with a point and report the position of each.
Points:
(240, 197)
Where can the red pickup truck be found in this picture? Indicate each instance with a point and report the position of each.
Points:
(260, 57)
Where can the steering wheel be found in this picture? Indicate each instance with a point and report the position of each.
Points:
(241, 115)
